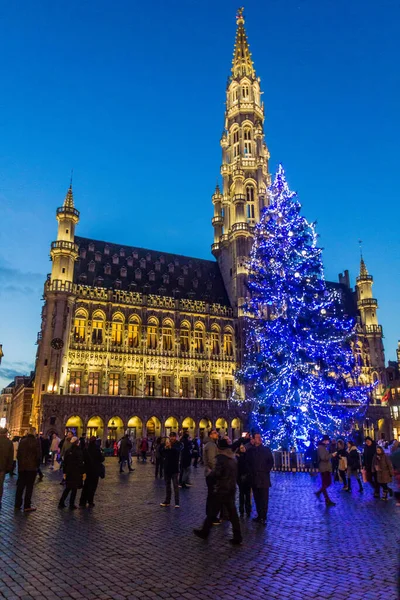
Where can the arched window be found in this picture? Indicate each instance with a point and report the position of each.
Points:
(152, 334)
(133, 332)
(167, 336)
(80, 326)
(117, 330)
(250, 193)
(245, 91)
(235, 143)
(97, 328)
(228, 343)
(215, 341)
(247, 142)
(185, 337)
(199, 338)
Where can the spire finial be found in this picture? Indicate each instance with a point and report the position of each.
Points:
(363, 268)
(69, 198)
(242, 63)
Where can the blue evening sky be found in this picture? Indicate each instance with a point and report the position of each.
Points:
(131, 96)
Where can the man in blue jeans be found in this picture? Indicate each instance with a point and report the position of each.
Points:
(171, 454)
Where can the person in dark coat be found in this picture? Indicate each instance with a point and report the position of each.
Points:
(158, 447)
(171, 455)
(325, 469)
(6, 458)
(74, 473)
(353, 465)
(125, 449)
(28, 456)
(260, 462)
(93, 459)
(225, 477)
(368, 456)
(186, 461)
(243, 481)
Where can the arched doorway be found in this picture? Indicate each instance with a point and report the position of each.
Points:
(221, 426)
(171, 424)
(153, 428)
(95, 426)
(204, 427)
(189, 426)
(115, 429)
(236, 428)
(75, 424)
(135, 428)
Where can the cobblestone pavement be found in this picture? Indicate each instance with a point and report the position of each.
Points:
(129, 547)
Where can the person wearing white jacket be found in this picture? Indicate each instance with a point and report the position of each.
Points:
(54, 448)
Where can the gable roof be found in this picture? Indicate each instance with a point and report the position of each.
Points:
(114, 266)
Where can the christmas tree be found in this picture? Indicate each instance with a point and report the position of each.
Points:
(299, 371)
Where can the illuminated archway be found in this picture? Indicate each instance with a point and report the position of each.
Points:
(236, 428)
(115, 429)
(189, 426)
(221, 426)
(95, 426)
(204, 427)
(153, 427)
(171, 424)
(135, 427)
(75, 424)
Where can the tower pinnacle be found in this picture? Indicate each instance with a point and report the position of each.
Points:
(363, 268)
(242, 63)
(69, 198)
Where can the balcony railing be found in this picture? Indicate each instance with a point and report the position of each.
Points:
(373, 329)
(218, 220)
(68, 211)
(64, 245)
(368, 302)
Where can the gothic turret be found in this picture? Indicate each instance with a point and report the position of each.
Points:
(244, 170)
(64, 251)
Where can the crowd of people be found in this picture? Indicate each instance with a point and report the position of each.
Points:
(244, 464)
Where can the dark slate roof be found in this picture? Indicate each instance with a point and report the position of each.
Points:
(114, 266)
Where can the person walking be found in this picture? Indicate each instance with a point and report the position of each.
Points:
(74, 473)
(342, 462)
(210, 452)
(367, 458)
(325, 469)
(28, 457)
(335, 460)
(65, 445)
(186, 461)
(353, 466)
(260, 462)
(158, 447)
(125, 449)
(144, 446)
(15, 443)
(195, 452)
(395, 458)
(225, 477)
(171, 455)
(243, 481)
(54, 448)
(6, 458)
(93, 459)
(382, 466)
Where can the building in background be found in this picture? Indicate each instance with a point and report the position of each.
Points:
(5, 404)
(148, 341)
(21, 404)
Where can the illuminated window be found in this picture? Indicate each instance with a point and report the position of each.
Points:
(250, 211)
(97, 329)
(152, 336)
(247, 142)
(198, 387)
(236, 151)
(228, 388)
(113, 384)
(245, 91)
(228, 344)
(215, 342)
(167, 337)
(117, 331)
(79, 327)
(184, 388)
(215, 389)
(185, 338)
(250, 193)
(166, 386)
(131, 384)
(75, 382)
(150, 385)
(199, 339)
(93, 383)
(133, 334)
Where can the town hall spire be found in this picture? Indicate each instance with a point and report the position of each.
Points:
(242, 63)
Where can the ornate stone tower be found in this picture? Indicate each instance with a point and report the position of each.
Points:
(369, 329)
(244, 171)
(59, 297)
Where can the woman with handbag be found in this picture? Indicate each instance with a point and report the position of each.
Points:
(74, 473)
(94, 467)
(342, 462)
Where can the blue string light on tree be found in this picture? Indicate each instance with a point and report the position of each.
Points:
(299, 371)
